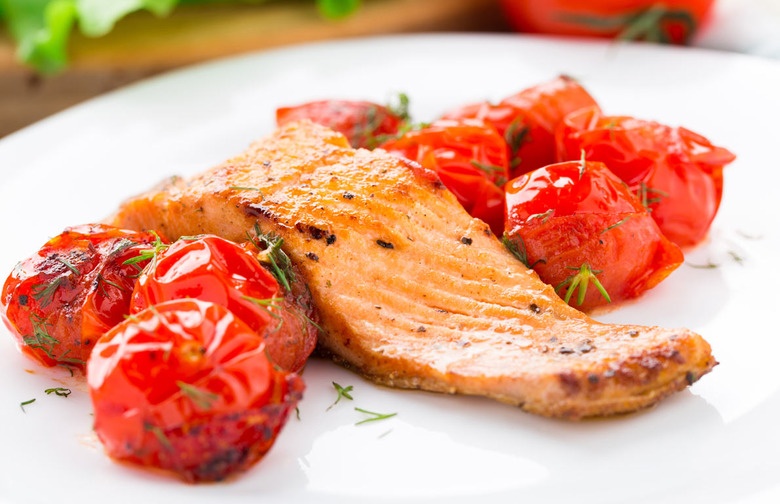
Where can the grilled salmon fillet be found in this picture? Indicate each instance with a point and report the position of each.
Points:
(413, 292)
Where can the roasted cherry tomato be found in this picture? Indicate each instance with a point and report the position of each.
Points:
(668, 21)
(217, 270)
(186, 386)
(576, 223)
(528, 120)
(363, 123)
(469, 157)
(60, 301)
(675, 172)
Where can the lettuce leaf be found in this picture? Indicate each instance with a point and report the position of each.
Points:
(41, 28)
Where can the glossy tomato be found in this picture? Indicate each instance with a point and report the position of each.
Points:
(584, 233)
(363, 123)
(677, 173)
(469, 157)
(187, 387)
(669, 21)
(58, 302)
(217, 270)
(528, 120)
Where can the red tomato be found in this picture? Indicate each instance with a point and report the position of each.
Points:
(213, 269)
(576, 225)
(58, 302)
(677, 173)
(186, 386)
(669, 21)
(363, 123)
(528, 120)
(469, 157)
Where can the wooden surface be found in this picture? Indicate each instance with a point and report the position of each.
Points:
(142, 45)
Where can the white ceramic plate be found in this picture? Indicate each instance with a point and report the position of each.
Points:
(717, 442)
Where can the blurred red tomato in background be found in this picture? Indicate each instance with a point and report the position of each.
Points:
(668, 21)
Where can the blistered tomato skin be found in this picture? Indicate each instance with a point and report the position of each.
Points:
(361, 122)
(565, 216)
(528, 120)
(187, 387)
(58, 302)
(677, 173)
(469, 157)
(213, 269)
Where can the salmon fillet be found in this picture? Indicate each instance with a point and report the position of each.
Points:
(412, 292)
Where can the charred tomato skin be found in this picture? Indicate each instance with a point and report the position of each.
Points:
(213, 269)
(59, 301)
(469, 157)
(362, 122)
(566, 215)
(528, 120)
(676, 172)
(187, 387)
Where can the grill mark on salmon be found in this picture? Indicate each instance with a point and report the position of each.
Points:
(407, 302)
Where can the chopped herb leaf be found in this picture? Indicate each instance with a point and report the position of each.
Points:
(616, 224)
(342, 392)
(374, 416)
(581, 279)
(544, 216)
(69, 265)
(44, 293)
(202, 398)
(60, 391)
(267, 305)
(273, 255)
(150, 253)
(643, 192)
(25, 403)
(517, 248)
(160, 435)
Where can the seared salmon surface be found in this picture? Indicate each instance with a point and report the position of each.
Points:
(412, 292)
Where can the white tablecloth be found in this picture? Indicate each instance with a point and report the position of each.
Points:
(747, 26)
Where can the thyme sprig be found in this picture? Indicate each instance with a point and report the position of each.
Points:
(203, 399)
(618, 223)
(273, 255)
(517, 248)
(643, 193)
(44, 293)
(40, 338)
(342, 392)
(60, 391)
(68, 265)
(267, 305)
(374, 416)
(515, 136)
(149, 253)
(491, 171)
(101, 280)
(579, 281)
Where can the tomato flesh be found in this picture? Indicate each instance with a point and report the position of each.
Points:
(362, 122)
(213, 269)
(187, 387)
(676, 172)
(565, 215)
(469, 157)
(58, 302)
(528, 120)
